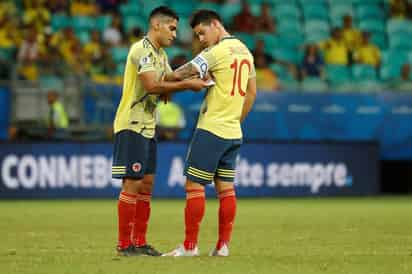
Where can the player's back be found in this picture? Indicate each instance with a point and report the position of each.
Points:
(231, 64)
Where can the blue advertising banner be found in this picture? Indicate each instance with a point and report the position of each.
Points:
(76, 170)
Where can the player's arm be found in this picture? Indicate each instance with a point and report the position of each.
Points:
(153, 86)
(249, 98)
(185, 71)
(199, 66)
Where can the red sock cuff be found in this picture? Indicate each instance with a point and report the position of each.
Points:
(127, 197)
(226, 193)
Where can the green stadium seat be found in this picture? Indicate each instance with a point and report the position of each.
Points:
(103, 22)
(392, 60)
(389, 72)
(207, 5)
(370, 11)
(398, 25)
(7, 54)
(148, 6)
(130, 9)
(229, 11)
(84, 36)
(316, 26)
(270, 40)
(285, 54)
(120, 68)
(379, 39)
(246, 38)
(280, 71)
(130, 22)
(400, 41)
(360, 71)
(291, 40)
(303, 3)
(338, 11)
(316, 37)
(174, 51)
(290, 26)
(255, 8)
(337, 75)
(372, 25)
(315, 11)
(312, 84)
(182, 8)
(83, 23)
(119, 54)
(286, 10)
(60, 21)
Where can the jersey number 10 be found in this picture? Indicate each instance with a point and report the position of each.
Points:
(237, 76)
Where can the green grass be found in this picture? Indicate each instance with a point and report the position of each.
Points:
(362, 235)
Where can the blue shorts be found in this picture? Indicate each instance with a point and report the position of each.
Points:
(133, 155)
(210, 156)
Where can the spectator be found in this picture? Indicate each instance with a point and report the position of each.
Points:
(404, 81)
(113, 35)
(244, 21)
(28, 56)
(57, 119)
(399, 8)
(107, 5)
(134, 35)
(367, 53)
(93, 49)
(36, 15)
(84, 8)
(266, 79)
(265, 22)
(351, 36)
(312, 64)
(58, 6)
(170, 120)
(178, 60)
(335, 49)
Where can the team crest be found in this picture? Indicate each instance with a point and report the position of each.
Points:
(136, 167)
(146, 60)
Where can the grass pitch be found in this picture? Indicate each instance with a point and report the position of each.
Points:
(360, 235)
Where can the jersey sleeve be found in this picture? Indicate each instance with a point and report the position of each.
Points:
(143, 59)
(252, 72)
(204, 62)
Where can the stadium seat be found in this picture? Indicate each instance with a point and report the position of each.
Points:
(337, 74)
(289, 26)
(130, 10)
(270, 40)
(369, 11)
(119, 54)
(84, 36)
(60, 21)
(103, 22)
(7, 54)
(291, 40)
(312, 2)
(246, 38)
(312, 84)
(174, 51)
(228, 11)
(207, 5)
(369, 86)
(286, 54)
(360, 72)
(82, 23)
(400, 41)
(372, 25)
(286, 11)
(398, 25)
(130, 22)
(315, 12)
(379, 39)
(316, 26)
(316, 37)
(182, 8)
(280, 71)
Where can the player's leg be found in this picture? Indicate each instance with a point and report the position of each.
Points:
(200, 167)
(224, 183)
(129, 162)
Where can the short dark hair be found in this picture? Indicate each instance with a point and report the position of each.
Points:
(204, 17)
(165, 11)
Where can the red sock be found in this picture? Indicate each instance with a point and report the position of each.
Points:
(194, 211)
(141, 218)
(126, 208)
(227, 212)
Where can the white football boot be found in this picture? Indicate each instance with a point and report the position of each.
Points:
(180, 251)
(222, 252)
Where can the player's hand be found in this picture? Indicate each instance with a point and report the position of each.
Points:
(197, 84)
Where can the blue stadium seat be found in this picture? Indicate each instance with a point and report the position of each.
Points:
(286, 54)
(312, 84)
(103, 22)
(119, 54)
(370, 12)
(400, 41)
(379, 39)
(315, 12)
(372, 25)
(316, 26)
(289, 26)
(228, 11)
(130, 22)
(60, 21)
(398, 25)
(286, 11)
(337, 74)
(83, 23)
(130, 9)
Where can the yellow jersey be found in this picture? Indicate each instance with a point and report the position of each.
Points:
(137, 108)
(231, 65)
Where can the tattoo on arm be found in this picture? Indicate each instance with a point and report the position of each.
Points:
(186, 71)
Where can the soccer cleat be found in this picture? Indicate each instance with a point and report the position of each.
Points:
(127, 252)
(222, 252)
(180, 251)
(147, 250)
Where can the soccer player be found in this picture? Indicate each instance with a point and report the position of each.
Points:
(218, 136)
(134, 156)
